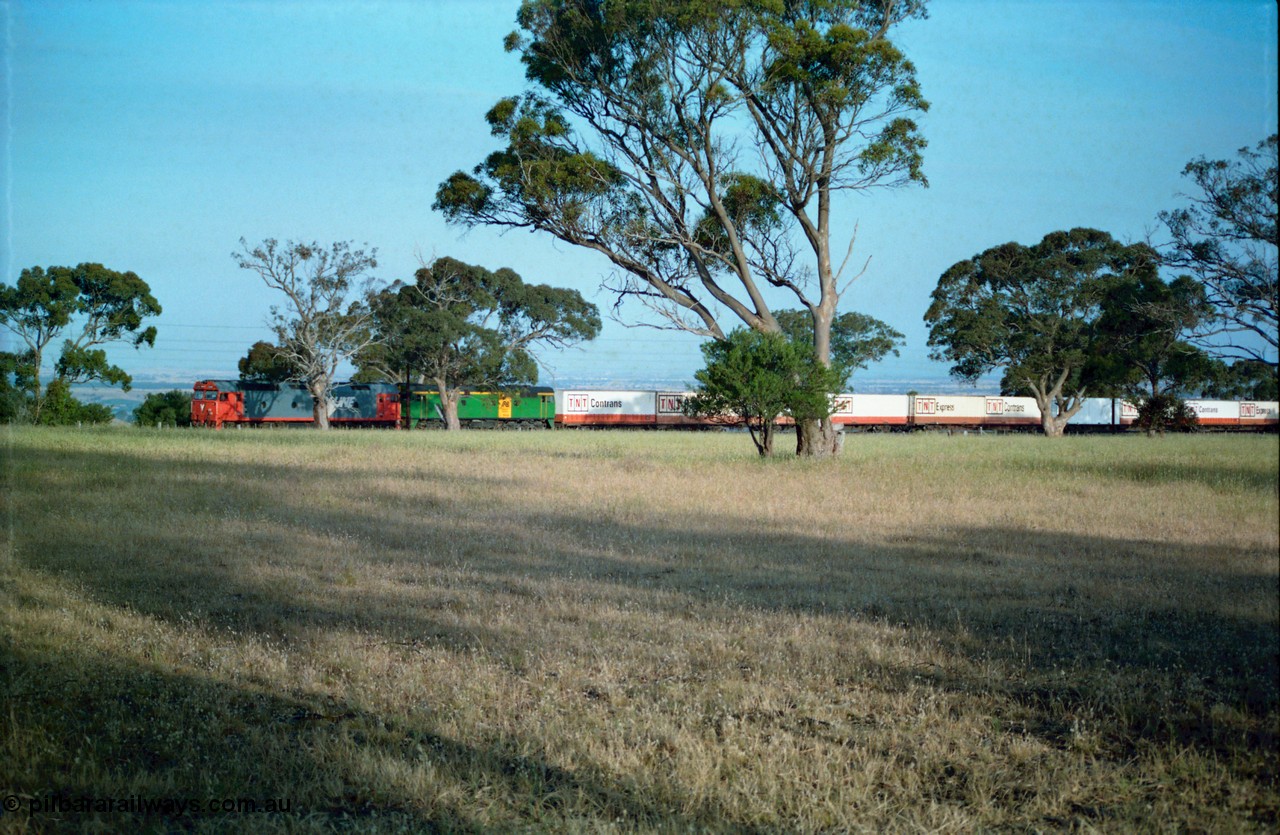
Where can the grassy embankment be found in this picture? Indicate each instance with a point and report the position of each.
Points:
(395, 631)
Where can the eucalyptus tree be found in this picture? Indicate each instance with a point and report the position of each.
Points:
(1227, 240)
(754, 378)
(699, 146)
(87, 306)
(1033, 312)
(460, 325)
(325, 320)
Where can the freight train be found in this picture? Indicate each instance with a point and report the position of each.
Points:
(218, 403)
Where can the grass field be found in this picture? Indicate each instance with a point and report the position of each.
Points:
(381, 631)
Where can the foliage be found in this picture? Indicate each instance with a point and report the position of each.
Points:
(321, 325)
(857, 340)
(1141, 349)
(757, 377)
(699, 146)
(463, 325)
(170, 408)
(1242, 380)
(60, 408)
(1034, 312)
(108, 306)
(1159, 413)
(15, 383)
(1227, 240)
(268, 363)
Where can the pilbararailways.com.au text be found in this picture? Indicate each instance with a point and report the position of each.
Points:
(137, 805)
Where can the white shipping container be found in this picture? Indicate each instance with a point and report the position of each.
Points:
(595, 406)
(944, 409)
(1011, 411)
(670, 410)
(1216, 412)
(1259, 411)
(871, 409)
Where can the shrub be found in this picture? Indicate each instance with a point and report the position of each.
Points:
(1166, 412)
(170, 408)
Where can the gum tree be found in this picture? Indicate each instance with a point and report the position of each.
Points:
(87, 306)
(699, 146)
(1033, 312)
(1227, 240)
(1142, 349)
(463, 325)
(325, 320)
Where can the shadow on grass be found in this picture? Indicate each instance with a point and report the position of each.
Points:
(166, 738)
(1132, 622)
(1216, 475)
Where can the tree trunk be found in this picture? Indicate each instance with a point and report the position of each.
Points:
(37, 394)
(319, 402)
(816, 438)
(1049, 396)
(448, 406)
(1054, 427)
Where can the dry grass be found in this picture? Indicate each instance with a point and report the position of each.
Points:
(610, 631)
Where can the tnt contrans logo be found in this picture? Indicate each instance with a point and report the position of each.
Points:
(670, 404)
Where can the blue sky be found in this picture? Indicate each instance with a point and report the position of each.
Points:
(152, 136)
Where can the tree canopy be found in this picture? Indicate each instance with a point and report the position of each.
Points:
(1227, 240)
(91, 306)
(268, 363)
(325, 319)
(1033, 312)
(462, 325)
(857, 340)
(698, 146)
(1141, 349)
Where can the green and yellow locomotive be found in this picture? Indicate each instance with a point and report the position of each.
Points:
(526, 408)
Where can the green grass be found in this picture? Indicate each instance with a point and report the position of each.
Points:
(602, 631)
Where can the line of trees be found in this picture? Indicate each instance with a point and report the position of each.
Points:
(456, 325)
(701, 146)
(1079, 314)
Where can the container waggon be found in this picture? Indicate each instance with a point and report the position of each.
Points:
(604, 408)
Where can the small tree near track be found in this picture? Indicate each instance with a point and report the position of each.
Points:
(1165, 412)
(754, 378)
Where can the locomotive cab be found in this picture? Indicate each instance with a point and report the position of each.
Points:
(213, 406)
